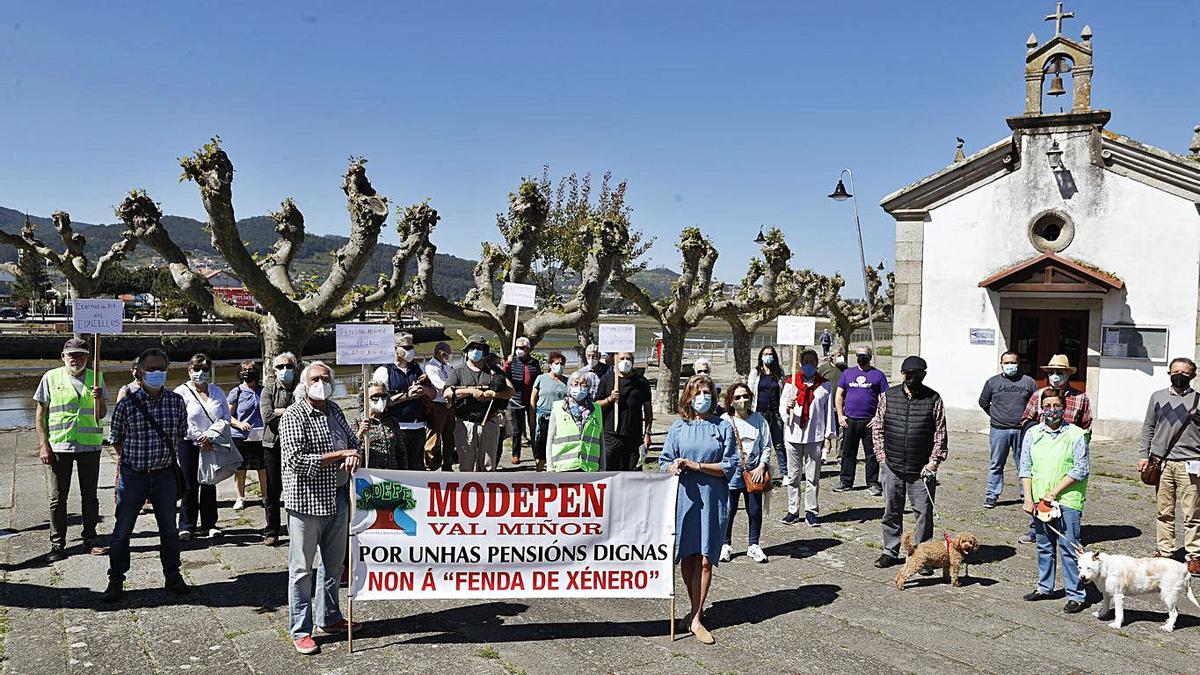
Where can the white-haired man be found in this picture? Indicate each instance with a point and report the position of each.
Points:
(320, 454)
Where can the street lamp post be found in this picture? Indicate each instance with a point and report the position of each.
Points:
(840, 194)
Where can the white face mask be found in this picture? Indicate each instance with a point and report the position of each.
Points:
(408, 354)
(1057, 379)
(556, 368)
(625, 366)
(520, 353)
(592, 361)
(378, 406)
(319, 390)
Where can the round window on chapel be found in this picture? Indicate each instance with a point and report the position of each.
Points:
(1051, 232)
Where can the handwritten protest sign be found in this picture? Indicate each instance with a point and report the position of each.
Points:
(98, 315)
(519, 295)
(365, 343)
(796, 330)
(486, 535)
(618, 337)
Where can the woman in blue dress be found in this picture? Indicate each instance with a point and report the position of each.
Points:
(701, 450)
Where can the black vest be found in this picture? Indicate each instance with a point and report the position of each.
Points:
(908, 429)
(398, 383)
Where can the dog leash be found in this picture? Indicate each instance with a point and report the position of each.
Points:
(1076, 544)
(933, 508)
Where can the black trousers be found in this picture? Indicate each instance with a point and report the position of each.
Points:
(621, 452)
(520, 426)
(857, 431)
(60, 491)
(272, 495)
(198, 509)
(412, 447)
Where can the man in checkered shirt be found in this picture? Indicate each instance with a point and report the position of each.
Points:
(320, 454)
(146, 469)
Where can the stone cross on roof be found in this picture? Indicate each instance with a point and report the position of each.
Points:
(1057, 17)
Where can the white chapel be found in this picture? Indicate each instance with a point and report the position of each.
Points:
(1064, 238)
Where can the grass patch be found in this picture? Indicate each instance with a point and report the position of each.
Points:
(230, 635)
(133, 616)
(488, 652)
(513, 670)
(885, 350)
(4, 628)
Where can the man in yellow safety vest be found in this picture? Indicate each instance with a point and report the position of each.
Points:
(70, 405)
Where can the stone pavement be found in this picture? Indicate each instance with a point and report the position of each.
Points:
(818, 606)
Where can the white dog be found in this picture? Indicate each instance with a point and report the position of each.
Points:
(1119, 575)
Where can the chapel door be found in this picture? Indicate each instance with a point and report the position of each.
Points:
(1038, 334)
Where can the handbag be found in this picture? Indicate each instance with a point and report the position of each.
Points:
(747, 475)
(1152, 474)
(180, 480)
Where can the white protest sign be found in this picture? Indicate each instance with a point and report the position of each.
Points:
(618, 337)
(428, 536)
(365, 343)
(98, 315)
(519, 295)
(796, 330)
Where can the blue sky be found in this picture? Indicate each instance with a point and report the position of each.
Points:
(723, 115)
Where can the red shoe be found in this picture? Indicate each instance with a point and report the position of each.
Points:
(306, 645)
(339, 627)
(1194, 567)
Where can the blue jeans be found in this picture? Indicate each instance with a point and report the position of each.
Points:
(1047, 541)
(1002, 441)
(133, 489)
(308, 534)
(775, 422)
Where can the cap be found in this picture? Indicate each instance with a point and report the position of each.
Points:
(914, 363)
(76, 345)
(476, 340)
(442, 347)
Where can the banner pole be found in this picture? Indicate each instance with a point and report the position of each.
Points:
(674, 551)
(350, 585)
(366, 414)
(96, 363)
(516, 320)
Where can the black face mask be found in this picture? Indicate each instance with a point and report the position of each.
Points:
(864, 360)
(248, 376)
(913, 379)
(1181, 381)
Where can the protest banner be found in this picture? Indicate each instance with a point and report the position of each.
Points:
(618, 337)
(365, 344)
(98, 316)
(488, 535)
(517, 296)
(796, 330)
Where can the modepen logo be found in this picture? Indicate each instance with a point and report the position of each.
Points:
(390, 500)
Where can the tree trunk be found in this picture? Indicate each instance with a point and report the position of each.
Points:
(670, 371)
(742, 347)
(276, 340)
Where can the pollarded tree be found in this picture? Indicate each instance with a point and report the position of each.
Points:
(692, 298)
(601, 244)
(292, 315)
(73, 262)
(851, 315)
(769, 289)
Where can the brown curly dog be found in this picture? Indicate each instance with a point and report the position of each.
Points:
(935, 554)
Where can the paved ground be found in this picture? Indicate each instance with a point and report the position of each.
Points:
(818, 606)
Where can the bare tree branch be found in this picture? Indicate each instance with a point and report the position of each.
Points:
(289, 225)
(73, 261)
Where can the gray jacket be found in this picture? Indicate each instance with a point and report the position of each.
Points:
(1165, 415)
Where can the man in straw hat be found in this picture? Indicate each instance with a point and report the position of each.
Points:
(479, 393)
(1077, 408)
(1054, 474)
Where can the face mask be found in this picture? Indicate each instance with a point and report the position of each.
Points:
(286, 376)
(154, 379)
(625, 367)
(378, 406)
(520, 353)
(840, 360)
(768, 359)
(864, 360)
(592, 361)
(409, 355)
(248, 376)
(808, 370)
(1052, 415)
(199, 376)
(1009, 369)
(556, 368)
(319, 391)
(579, 393)
(1057, 379)
(475, 355)
(742, 403)
(702, 402)
(1180, 381)
(914, 378)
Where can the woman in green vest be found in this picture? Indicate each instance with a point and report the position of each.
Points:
(1054, 468)
(573, 434)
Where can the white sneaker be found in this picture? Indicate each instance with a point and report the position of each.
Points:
(756, 553)
(185, 535)
(239, 504)
(214, 532)
(726, 552)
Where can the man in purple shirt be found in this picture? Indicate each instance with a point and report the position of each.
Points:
(857, 397)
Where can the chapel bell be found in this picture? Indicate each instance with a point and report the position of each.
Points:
(1058, 67)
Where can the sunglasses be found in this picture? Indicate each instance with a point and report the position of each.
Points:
(379, 397)
(744, 397)
(285, 366)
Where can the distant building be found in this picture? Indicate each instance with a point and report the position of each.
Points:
(8, 282)
(229, 288)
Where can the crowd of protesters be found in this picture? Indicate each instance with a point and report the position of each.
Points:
(174, 446)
